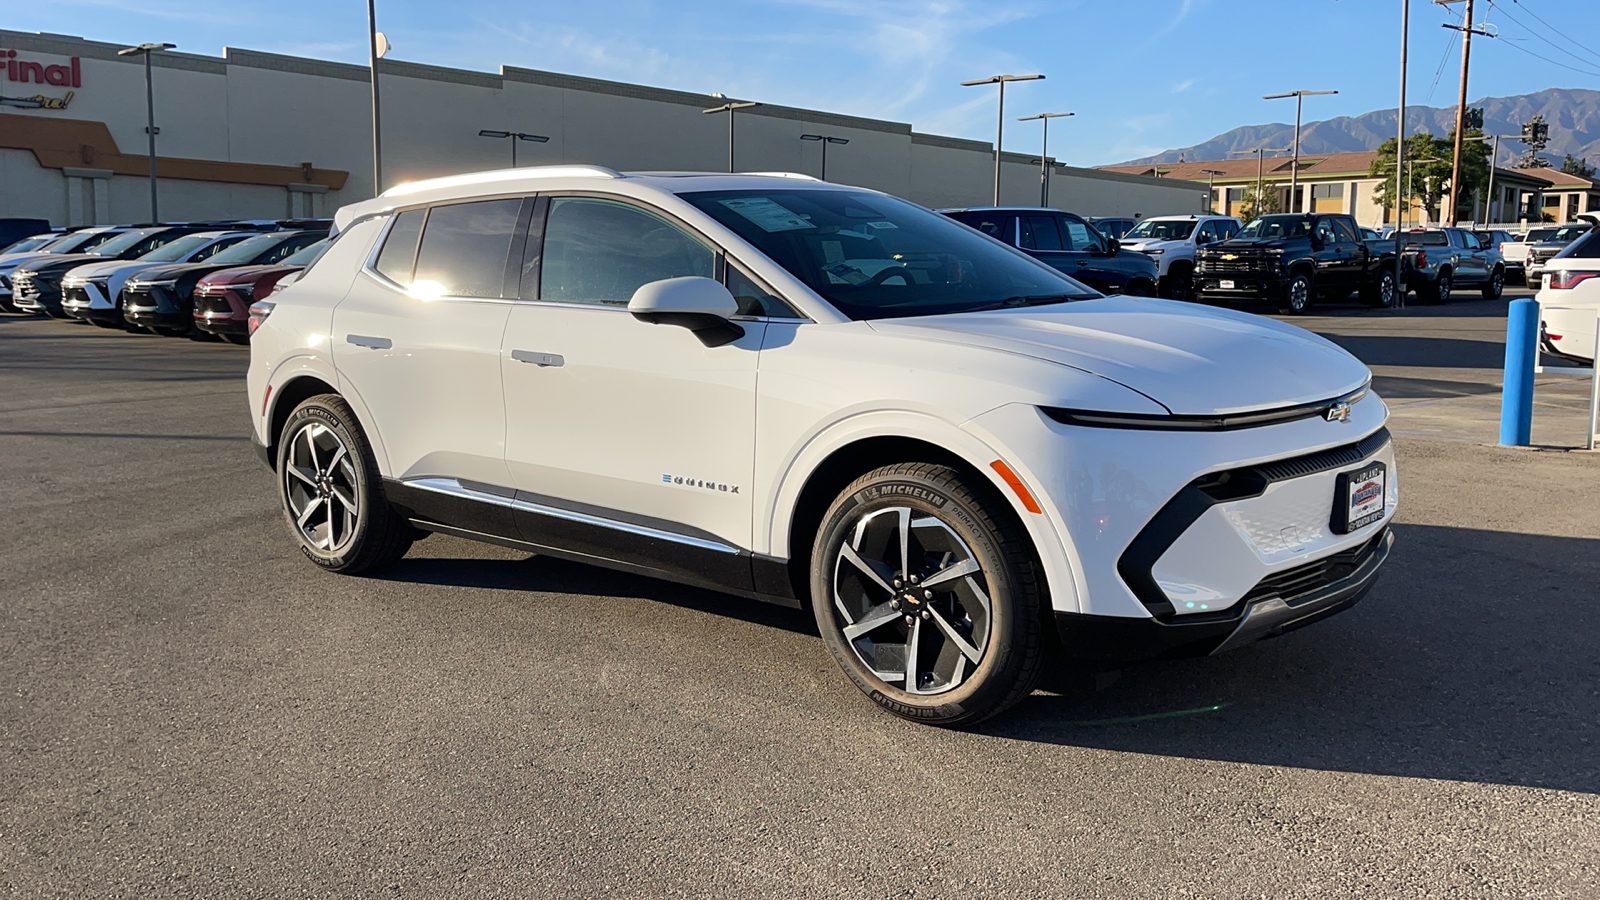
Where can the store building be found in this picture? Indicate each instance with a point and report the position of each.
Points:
(260, 135)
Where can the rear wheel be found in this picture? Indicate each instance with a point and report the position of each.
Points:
(927, 595)
(1179, 283)
(331, 491)
(1141, 287)
(1384, 295)
(1495, 285)
(1297, 297)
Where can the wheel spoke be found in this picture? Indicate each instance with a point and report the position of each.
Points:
(950, 573)
(300, 473)
(911, 655)
(348, 502)
(967, 650)
(849, 553)
(337, 456)
(311, 446)
(305, 514)
(880, 615)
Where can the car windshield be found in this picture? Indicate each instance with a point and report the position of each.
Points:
(308, 255)
(121, 242)
(873, 256)
(26, 244)
(1276, 228)
(1538, 235)
(247, 250)
(178, 249)
(1158, 230)
(1569, 233)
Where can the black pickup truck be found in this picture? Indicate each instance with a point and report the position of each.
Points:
(1292, 260)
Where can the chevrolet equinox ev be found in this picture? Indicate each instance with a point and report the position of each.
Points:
(960, 459)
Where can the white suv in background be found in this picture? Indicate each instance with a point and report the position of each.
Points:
(819, 396)
(1172, 241)
(1569, 301)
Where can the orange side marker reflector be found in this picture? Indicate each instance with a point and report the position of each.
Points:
(265, 400)
(1021, 490)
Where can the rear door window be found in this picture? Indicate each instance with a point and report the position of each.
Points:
(1040, 233)
(464, 248)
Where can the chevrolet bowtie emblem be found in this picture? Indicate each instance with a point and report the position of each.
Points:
(1339, 412)
(1230, 256)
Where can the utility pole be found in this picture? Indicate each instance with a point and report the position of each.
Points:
(1399, 165)
(1467, 30)
(1294, 168)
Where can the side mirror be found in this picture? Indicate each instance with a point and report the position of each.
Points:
(1112, 246)
(699, 304)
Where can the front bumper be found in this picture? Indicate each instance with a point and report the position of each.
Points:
(1245, 285)
(1277, 608)
(221, 312)
(39, 297)
(78, 299)
(158, 307)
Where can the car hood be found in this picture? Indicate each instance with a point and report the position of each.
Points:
(1193, 360)
(238, 274)
(170, 271)
(57, 262)
(1248, 244)
(107, 269)
(1143, 245)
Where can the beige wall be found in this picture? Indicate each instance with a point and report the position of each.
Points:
(251, 107)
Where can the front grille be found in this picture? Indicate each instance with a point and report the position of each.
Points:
(1323, 460)
(1211, 265)
(23, 282)
(1296, 583)
(75, 296)
(138, 300)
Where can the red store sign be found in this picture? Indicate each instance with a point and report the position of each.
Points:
(24, 71)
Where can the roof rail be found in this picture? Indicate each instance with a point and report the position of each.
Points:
(531, 172)
(796, 175)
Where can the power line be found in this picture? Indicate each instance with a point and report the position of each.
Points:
(1546, 24)
(1589, 72)
(1524, 26)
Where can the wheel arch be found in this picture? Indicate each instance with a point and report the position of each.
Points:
(302, 385)
(826, 471)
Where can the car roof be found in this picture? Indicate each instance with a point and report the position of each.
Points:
(531, 179)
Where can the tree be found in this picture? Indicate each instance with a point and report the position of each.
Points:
(1262, 203)
(1573, 165)
(1428, 163)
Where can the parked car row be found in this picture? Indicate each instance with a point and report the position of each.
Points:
(179, 280)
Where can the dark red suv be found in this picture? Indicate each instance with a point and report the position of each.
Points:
(222, 299)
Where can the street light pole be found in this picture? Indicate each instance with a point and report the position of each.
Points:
(1000, 120)
(379, 45)
(824, 140)
(1294, 167)
(515, 136)
(1400, 203)
(728, 108)
(1211, 188)
(1260, 152)
(1044, 155)
(150, 114)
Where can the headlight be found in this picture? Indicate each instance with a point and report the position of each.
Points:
(1157, 251)
(259, 311)
(142, 285)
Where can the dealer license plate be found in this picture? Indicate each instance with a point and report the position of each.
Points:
(1225, 284)
(1360, 498)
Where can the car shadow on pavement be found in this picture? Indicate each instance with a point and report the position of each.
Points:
(1422, 351)
(545, 574)
(1475, 658)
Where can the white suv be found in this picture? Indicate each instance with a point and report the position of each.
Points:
(818, 396)
(1172, 242)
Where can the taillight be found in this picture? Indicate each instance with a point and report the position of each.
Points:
(259, 311)
(1567, 279)
(1422, 259)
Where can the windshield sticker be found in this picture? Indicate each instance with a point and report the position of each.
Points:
(766, 214)
(848, 274)
(882, 226)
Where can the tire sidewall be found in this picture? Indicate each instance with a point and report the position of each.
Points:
(1496, 285)
(321, 410)
(1289, 293)
(1443, 287)
(991, 681)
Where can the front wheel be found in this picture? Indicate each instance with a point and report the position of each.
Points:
(1178, 285)
(1495, 285)
(331, 491)
(1297, 297)
(1442, 287)
(927, 595)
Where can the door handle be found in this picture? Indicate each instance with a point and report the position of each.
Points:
(539, 359)
(375, 343)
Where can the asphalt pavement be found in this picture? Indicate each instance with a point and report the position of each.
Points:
(190, 709)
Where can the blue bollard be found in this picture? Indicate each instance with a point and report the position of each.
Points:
(1522, 351)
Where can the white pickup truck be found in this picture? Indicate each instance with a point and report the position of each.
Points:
(1171, 241)
(1516, 251)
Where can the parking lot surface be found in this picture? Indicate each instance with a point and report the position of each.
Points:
(191, 709)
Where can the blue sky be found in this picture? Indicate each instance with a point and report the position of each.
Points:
(1141, 75)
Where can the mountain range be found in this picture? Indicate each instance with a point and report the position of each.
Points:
(1572, 114)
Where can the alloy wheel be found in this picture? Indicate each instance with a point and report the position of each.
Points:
(1299, 295)
(911, 600)
(319, 486)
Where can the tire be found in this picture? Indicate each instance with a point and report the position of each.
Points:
(316, 498)
(1298, 295)
(1139, 287)
(1179, 283)
(1496, 285)
(1384, 295)
(990, 619)
(1442, 287)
